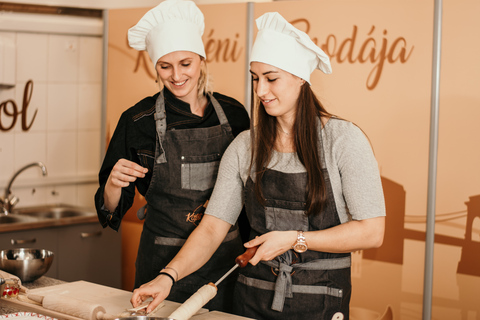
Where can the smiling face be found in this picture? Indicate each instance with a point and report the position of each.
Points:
(179, 72)
(277, 90)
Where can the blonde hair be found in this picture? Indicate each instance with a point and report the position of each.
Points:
(204, 81)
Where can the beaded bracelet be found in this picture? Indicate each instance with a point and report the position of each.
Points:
(170, 276)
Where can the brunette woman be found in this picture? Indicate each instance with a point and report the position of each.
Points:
(311, 188)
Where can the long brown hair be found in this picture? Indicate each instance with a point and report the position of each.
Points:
(307, 143)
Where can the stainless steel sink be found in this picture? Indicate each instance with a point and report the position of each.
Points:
(54, 212)
(15, 219)
(46, 216)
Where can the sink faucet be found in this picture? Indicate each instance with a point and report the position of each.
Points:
(9, 200)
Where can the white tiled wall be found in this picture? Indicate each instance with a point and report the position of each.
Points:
(66, 133)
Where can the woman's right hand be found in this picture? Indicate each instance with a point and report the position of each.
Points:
(271, 245)
(123, 172)
(158, 289)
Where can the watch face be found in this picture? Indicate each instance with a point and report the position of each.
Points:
(300, 247)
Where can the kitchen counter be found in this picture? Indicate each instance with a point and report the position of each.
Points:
(109, 295)
(39, 283)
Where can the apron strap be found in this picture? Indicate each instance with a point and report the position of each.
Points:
(161, 123)
(222, 118)
(161, 126)
(178, 242)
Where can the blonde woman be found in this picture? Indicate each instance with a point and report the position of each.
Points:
(168, 147)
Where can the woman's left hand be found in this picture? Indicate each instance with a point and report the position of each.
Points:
(158, 289)
(271, 245)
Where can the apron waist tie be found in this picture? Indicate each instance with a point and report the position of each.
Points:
(283, 285)
(305, 289)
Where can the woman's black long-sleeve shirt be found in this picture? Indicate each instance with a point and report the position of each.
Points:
(134, 140)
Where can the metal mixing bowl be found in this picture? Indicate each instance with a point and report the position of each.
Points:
(27, 264)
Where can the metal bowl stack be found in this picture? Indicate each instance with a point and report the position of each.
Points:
(27, 264)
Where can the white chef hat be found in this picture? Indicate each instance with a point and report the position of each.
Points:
(173, 25)
(281, 45)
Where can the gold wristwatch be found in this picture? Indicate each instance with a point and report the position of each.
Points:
(300, 245)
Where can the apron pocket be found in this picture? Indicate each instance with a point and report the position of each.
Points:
(199, 176)
(280, 219)
(146, 158)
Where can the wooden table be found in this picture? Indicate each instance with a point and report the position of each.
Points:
(113, 300)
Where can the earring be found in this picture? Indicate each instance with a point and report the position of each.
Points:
(156, 80)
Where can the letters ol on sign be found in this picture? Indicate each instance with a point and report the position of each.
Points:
(9, 111)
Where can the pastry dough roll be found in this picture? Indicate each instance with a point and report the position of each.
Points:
(195, 302)
(73, 307)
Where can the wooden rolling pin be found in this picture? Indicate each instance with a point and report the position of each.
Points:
(208, 291)
(74, 307)
(195, 302)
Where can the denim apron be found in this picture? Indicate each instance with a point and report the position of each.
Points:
(309, 285)
(185, 170)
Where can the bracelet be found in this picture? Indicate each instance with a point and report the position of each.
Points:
(168, 275)
(176, 273)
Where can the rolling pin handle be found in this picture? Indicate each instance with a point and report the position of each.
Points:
(105, 316)
(243, 259)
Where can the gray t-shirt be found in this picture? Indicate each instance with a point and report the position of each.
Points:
(349, 159)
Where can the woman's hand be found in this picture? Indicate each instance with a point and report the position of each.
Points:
(158, 289)
(271, 245)
(123, 172)
(197, 250)
(346, 237)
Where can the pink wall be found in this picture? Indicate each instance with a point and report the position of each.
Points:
(382, 60)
